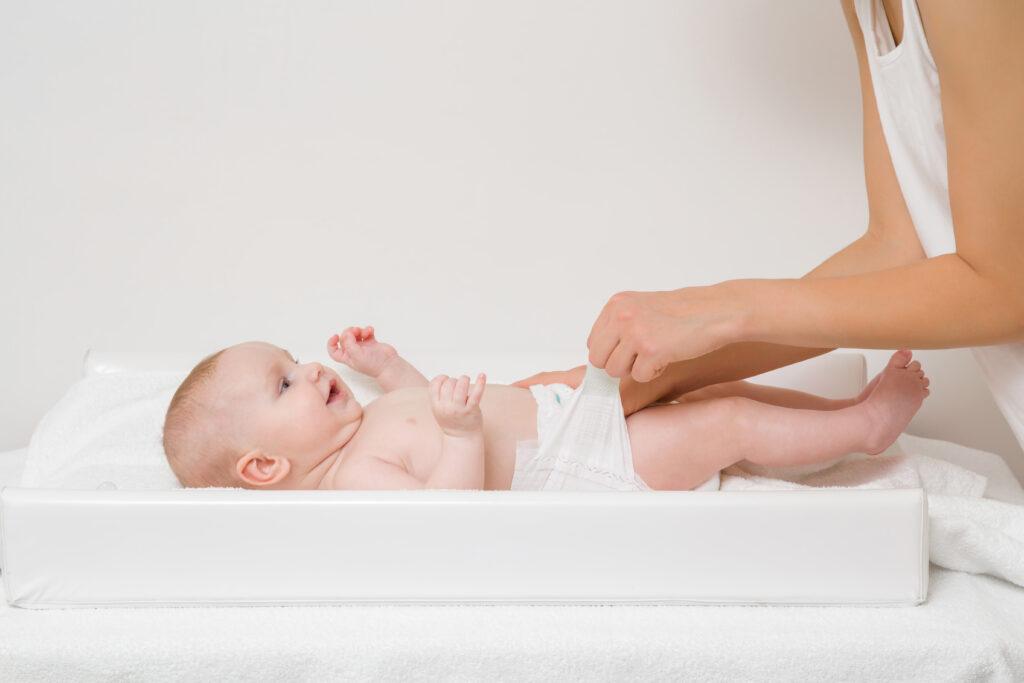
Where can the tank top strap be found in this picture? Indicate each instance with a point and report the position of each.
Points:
(874, 25)
(878, 37)
(913, 29)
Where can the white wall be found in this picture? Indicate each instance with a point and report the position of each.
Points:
(473, 174)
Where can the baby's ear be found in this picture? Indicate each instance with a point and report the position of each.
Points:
(261, 470)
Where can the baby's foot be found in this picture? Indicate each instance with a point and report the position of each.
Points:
(869, 388)
(895, 396)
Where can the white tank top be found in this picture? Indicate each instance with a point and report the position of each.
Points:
(906, 85)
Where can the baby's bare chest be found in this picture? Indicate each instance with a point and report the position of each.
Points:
(399, 427)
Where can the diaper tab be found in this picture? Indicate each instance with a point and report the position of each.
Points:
(598, 381)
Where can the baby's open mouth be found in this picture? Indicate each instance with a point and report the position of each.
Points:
(333, 395)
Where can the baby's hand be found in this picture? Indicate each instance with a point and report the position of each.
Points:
(456, 406)
(357, 348)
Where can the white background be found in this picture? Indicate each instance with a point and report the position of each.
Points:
(465, 174)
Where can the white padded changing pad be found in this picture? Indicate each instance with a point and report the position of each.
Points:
(225, 546)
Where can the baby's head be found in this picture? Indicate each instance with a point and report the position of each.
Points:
(253, 416)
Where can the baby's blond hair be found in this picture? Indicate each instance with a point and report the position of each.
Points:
(198, 451)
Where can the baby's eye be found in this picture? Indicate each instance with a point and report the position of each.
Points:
(284, 382)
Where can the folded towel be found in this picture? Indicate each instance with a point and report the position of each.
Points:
(979, 536)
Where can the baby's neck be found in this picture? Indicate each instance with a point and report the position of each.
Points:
(322, 473)
(321, 476)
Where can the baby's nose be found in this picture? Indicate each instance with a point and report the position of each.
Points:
(315, 370)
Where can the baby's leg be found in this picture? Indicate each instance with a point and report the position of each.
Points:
(677, 447)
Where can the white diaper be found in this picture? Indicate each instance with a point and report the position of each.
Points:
(582, 442)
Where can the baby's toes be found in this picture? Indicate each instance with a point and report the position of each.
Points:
(900, 358)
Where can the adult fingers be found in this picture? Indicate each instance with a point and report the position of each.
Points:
(620, 362)
(601, 348)
(647, 367)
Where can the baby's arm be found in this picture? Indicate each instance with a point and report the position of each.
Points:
(357, 348)
(456, 408)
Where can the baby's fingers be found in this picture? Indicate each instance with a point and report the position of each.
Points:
(447, 389)
(478, 390)
(348, 340)
(435, 388)
(461, 391)
(335, 349)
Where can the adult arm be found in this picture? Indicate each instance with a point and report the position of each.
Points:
(976, 295)
(877, 249)
(972, 297)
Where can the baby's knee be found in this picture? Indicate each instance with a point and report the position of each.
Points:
(729, 410)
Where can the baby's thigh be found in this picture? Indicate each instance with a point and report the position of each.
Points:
(680, 446)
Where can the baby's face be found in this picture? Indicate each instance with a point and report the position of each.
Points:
(283, 408)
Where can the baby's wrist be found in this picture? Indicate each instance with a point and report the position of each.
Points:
(466, 434)
(392, 367)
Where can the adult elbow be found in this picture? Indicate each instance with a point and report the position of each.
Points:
(1015, 310)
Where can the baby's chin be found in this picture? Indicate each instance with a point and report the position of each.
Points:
(348, 408)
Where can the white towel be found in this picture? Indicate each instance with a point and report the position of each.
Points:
(968, 532)
(106, 428)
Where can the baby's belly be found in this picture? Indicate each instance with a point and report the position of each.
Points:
(403, 425)
(510, 415)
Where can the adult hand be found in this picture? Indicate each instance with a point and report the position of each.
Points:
(635, 396)
(638, 334)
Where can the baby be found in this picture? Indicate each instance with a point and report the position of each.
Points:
(253, 416)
